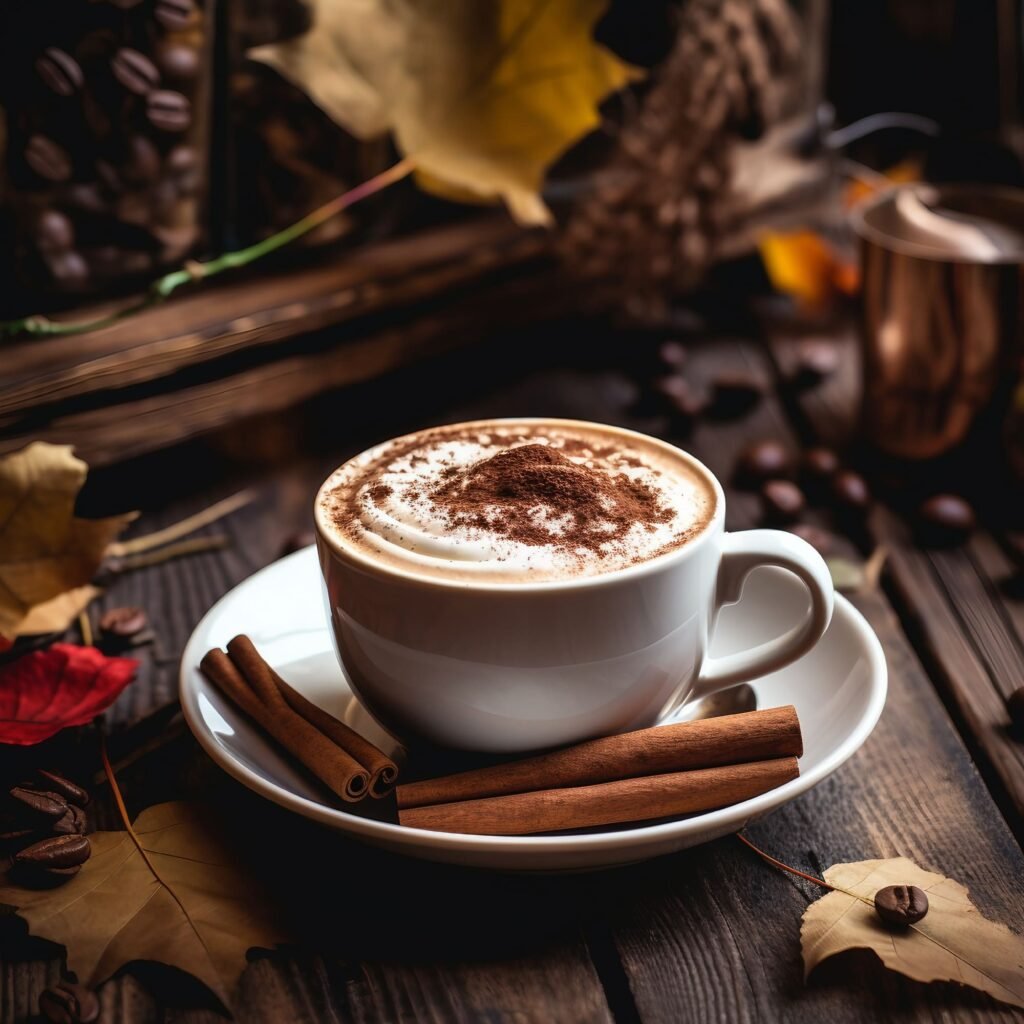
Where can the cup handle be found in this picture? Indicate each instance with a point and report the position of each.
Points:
(741, 553)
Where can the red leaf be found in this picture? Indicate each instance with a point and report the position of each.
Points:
(46, 691)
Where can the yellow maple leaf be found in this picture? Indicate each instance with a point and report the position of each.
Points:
(45, 550)
(802, 264)
(483, 96)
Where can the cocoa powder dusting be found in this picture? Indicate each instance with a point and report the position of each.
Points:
(519, 491)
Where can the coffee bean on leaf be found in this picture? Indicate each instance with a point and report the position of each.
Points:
(901, 905)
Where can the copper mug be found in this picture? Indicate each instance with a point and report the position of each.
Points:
(941, 313)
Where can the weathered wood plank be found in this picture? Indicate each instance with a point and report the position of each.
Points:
(220, 318)
(966, 620)
(714, 934)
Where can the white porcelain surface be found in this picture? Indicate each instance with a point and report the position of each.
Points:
(838, 689)
(513, 667)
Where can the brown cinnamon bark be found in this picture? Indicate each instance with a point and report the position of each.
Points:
(336, 768)
(275, 693)
(730, 739)
(640, 799)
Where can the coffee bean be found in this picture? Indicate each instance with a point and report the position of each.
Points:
(1015, 706)
(40, 805)
(68, 269)
(47, 158)
(169, 111)
(762, 460)
(69, 1003)
(135, 71)
(72, 824)
(66, 851)
(677, 397)
(181, 160)
(816, 359)
(65, 787)
(672, 354)
(85, 197)
(110, 178)
(179, 63)
(296, 542)
(783, 501)
(734, 395)
(821, 540)
(174, 14)
(143, 163)
(901, 905)
(123, 622)
(59, 71)
(850, 491)
(945, 519)
(54, 232)
(819, 464)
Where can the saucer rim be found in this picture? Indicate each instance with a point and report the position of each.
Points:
(394, 834)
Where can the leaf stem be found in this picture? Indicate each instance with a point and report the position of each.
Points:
(37, 325)
(192, 546)
(181, 529)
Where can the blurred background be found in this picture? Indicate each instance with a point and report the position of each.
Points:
(836, 184)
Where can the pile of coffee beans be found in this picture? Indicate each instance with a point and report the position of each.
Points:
(42, 830)
(105, 160)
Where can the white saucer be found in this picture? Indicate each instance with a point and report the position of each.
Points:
(838, 689)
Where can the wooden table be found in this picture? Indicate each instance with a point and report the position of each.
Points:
(708, 934)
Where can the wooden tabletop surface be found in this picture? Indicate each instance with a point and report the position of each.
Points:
(705, 935)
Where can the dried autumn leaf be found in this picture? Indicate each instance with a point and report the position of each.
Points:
(952, 943)
(199, 912)
(804, 265)
(45, 550)
(483, 96)
(45, 691)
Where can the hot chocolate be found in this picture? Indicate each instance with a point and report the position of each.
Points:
(516, 501)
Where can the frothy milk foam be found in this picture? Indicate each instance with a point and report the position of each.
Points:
(515, 501)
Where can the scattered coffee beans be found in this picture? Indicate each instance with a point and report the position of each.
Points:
(850, 491)
(783, 501)
(945, 519)
(821, 540)
(672, 354)
(47, 159)
(819, 465)
(901, 905)
(123, 622)
(174, 14)
(135, 71)
(35, 804)
(679, 400)
(69, 1003)
(71, 792)
(54, 232)
(59, 71)
(169, 111)
(66, 851)
(762, 460)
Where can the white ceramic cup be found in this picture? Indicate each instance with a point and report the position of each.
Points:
(515, 666)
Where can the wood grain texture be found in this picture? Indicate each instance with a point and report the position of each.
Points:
(911, 790)
(710, 934)
(964, 607)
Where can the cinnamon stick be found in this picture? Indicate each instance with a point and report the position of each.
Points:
(751, 736)
(334, 767)
(289, 703)
(608, 803)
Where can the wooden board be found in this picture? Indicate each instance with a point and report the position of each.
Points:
(709, 934)
(963, 607)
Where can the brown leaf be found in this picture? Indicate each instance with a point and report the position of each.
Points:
(484, 96)
(45, 550)
(55, 615)
(123, 912)
(952, 943)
